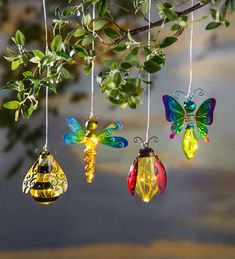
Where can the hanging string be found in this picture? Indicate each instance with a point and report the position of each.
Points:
(191, 54)
(46, 39)
(149, 76)
(93, 62)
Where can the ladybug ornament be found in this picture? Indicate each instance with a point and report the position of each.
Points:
(147, 175)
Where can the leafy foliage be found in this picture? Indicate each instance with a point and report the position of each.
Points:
(127, 60)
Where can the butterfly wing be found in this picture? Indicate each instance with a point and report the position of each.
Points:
(204, 116)
(115, 142)
(174, 113)
(78, 136)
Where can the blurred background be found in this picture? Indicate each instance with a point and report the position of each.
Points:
(195, 218)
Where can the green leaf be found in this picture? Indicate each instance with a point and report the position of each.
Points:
(38, 53)
(111, 33)
(168, 41)
(126, 65)
(120, 47)
(10, 58)
(28, 74)
(112, 64)
(63, 54)
(87, 40)
(15, 64)
(12, 105)
(230, 4)
(102, 7)
(11, 52)
(212, 25)
(213, 13)
(80, 51)
(56, 43)
(19, 38)
(133, 60)
(69, 10)
(170, 14)
(79, 32)
(151, 67)
(87, 69)
(175, 27)
(65, 73)
(17, 113)
(50, 86)
(100, 24)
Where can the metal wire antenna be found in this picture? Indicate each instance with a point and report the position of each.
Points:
(191, 54)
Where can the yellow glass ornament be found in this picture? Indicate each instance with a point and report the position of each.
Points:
(90, 142)
(146, 183)
(45, 180)
(91, 139)
(189, 142)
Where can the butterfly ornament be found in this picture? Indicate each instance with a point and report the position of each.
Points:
(91, 139)
(186, 116)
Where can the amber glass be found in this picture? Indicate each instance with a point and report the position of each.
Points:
(146, 185)
(190, 143)
(45, 180)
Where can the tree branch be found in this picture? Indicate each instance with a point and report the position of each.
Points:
(160, 22)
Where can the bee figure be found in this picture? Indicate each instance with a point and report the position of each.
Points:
(179, 116)
(45, 180)
(91, 140)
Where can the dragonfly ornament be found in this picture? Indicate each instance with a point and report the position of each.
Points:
(180, 117)
(91, 139)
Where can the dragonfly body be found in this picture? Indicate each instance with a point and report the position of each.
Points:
(91, 143)
(91, 139)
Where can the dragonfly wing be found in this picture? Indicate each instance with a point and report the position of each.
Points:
(115, 142)
(110, 129)
(72, 139)
(78, 135)
(174, 113)
(205, 115)
(74, 125)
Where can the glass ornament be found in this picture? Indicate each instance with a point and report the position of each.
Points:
(91, 139)
(147, 175)
(45, 180)
(189, 142)
(180, 116)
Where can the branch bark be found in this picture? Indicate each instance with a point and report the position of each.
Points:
(160, 22)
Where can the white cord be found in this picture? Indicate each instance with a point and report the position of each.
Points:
(93, 63)
(46, 39)
(149, 76)
(191, 54)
